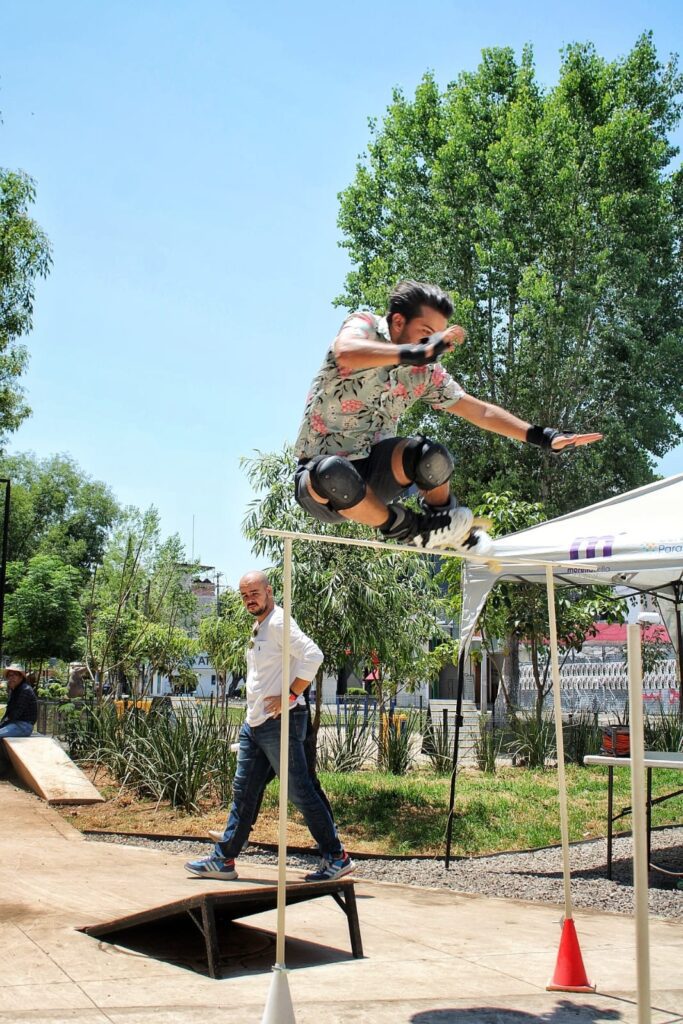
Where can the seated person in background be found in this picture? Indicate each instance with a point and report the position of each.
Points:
(22, 709)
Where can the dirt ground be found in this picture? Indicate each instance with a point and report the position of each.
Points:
(124, 812)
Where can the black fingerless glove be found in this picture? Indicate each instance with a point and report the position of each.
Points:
(543, 437)
(417, 355)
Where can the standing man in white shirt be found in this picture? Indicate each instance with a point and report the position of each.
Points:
(259, 749)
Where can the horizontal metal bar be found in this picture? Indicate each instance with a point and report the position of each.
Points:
(381, 545)
(409, 549)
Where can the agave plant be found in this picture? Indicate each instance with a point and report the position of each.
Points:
(664, 731)
(533, 741)
(346, 746)
(179, 758)
(582, 735)
(396, 740)
(437, 744)
(487, 745)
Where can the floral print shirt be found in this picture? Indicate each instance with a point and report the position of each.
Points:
(347, 411)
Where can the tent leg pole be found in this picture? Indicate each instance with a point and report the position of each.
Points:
(638, 801)
(284, 758)
(561, 775)
(456, 740)
(678, 596)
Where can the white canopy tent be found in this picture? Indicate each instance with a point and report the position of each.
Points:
(634, 541)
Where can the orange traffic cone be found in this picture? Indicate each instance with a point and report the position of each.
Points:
(570, 974)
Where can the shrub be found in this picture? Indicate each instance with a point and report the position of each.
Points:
(487, 745)
(533, 741)
(346, 747)
(582, 735)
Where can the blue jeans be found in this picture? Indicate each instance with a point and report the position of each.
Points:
(259, 752)
(16, 729)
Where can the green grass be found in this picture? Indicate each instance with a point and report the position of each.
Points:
(517, 808)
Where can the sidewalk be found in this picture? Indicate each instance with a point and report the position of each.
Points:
(431, 956)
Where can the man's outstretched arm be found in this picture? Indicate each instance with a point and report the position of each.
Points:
(491, 417)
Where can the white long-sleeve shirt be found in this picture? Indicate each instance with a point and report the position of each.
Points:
(264, 663)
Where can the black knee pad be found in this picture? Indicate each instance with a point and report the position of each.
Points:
(336, 478)
(427, 463)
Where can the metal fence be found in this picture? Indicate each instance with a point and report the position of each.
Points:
(57, 717)
(603, 687)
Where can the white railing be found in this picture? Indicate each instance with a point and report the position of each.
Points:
(603, 686)
(597, 675)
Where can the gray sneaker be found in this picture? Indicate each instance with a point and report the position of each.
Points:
(212, 867)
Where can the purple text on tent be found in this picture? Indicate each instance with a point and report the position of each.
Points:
(591, 545)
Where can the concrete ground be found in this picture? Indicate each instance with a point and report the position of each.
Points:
(431, 956)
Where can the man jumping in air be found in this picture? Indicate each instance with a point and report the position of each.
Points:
(351, 463)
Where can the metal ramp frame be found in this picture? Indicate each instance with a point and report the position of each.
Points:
(204, 908)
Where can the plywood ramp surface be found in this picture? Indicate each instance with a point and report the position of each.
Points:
(48, 770)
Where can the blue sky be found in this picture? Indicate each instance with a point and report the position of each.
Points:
(188, 158)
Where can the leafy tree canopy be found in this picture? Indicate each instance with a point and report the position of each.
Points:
(44, 616)
(553, 219)
(57, 509)
(24, 256)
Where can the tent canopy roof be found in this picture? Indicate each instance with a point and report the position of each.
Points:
(634, 540)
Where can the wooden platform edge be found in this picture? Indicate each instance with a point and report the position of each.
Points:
(90, 794)
(236, 905)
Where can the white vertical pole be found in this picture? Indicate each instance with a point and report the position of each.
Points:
(639, 818)
(561, 775)
(284, 757)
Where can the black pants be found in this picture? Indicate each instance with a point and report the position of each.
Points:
(375, 469)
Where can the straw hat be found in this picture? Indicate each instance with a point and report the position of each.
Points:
(14, 667)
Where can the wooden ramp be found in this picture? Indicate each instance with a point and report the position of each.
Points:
(212, 913)
(48, 770)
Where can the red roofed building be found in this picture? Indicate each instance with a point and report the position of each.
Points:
(616, 634)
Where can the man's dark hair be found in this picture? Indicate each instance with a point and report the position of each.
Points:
(408, 298)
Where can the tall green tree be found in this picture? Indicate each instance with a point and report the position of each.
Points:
(58, 509)
(224, 637)
(554, 219)
(24, 257)
(164, 648)
(137, 601)
(44, 617)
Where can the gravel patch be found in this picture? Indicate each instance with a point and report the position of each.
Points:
(535, 875)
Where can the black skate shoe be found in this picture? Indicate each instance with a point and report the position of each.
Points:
(404, 526)
(444, 526)
(454, 526)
